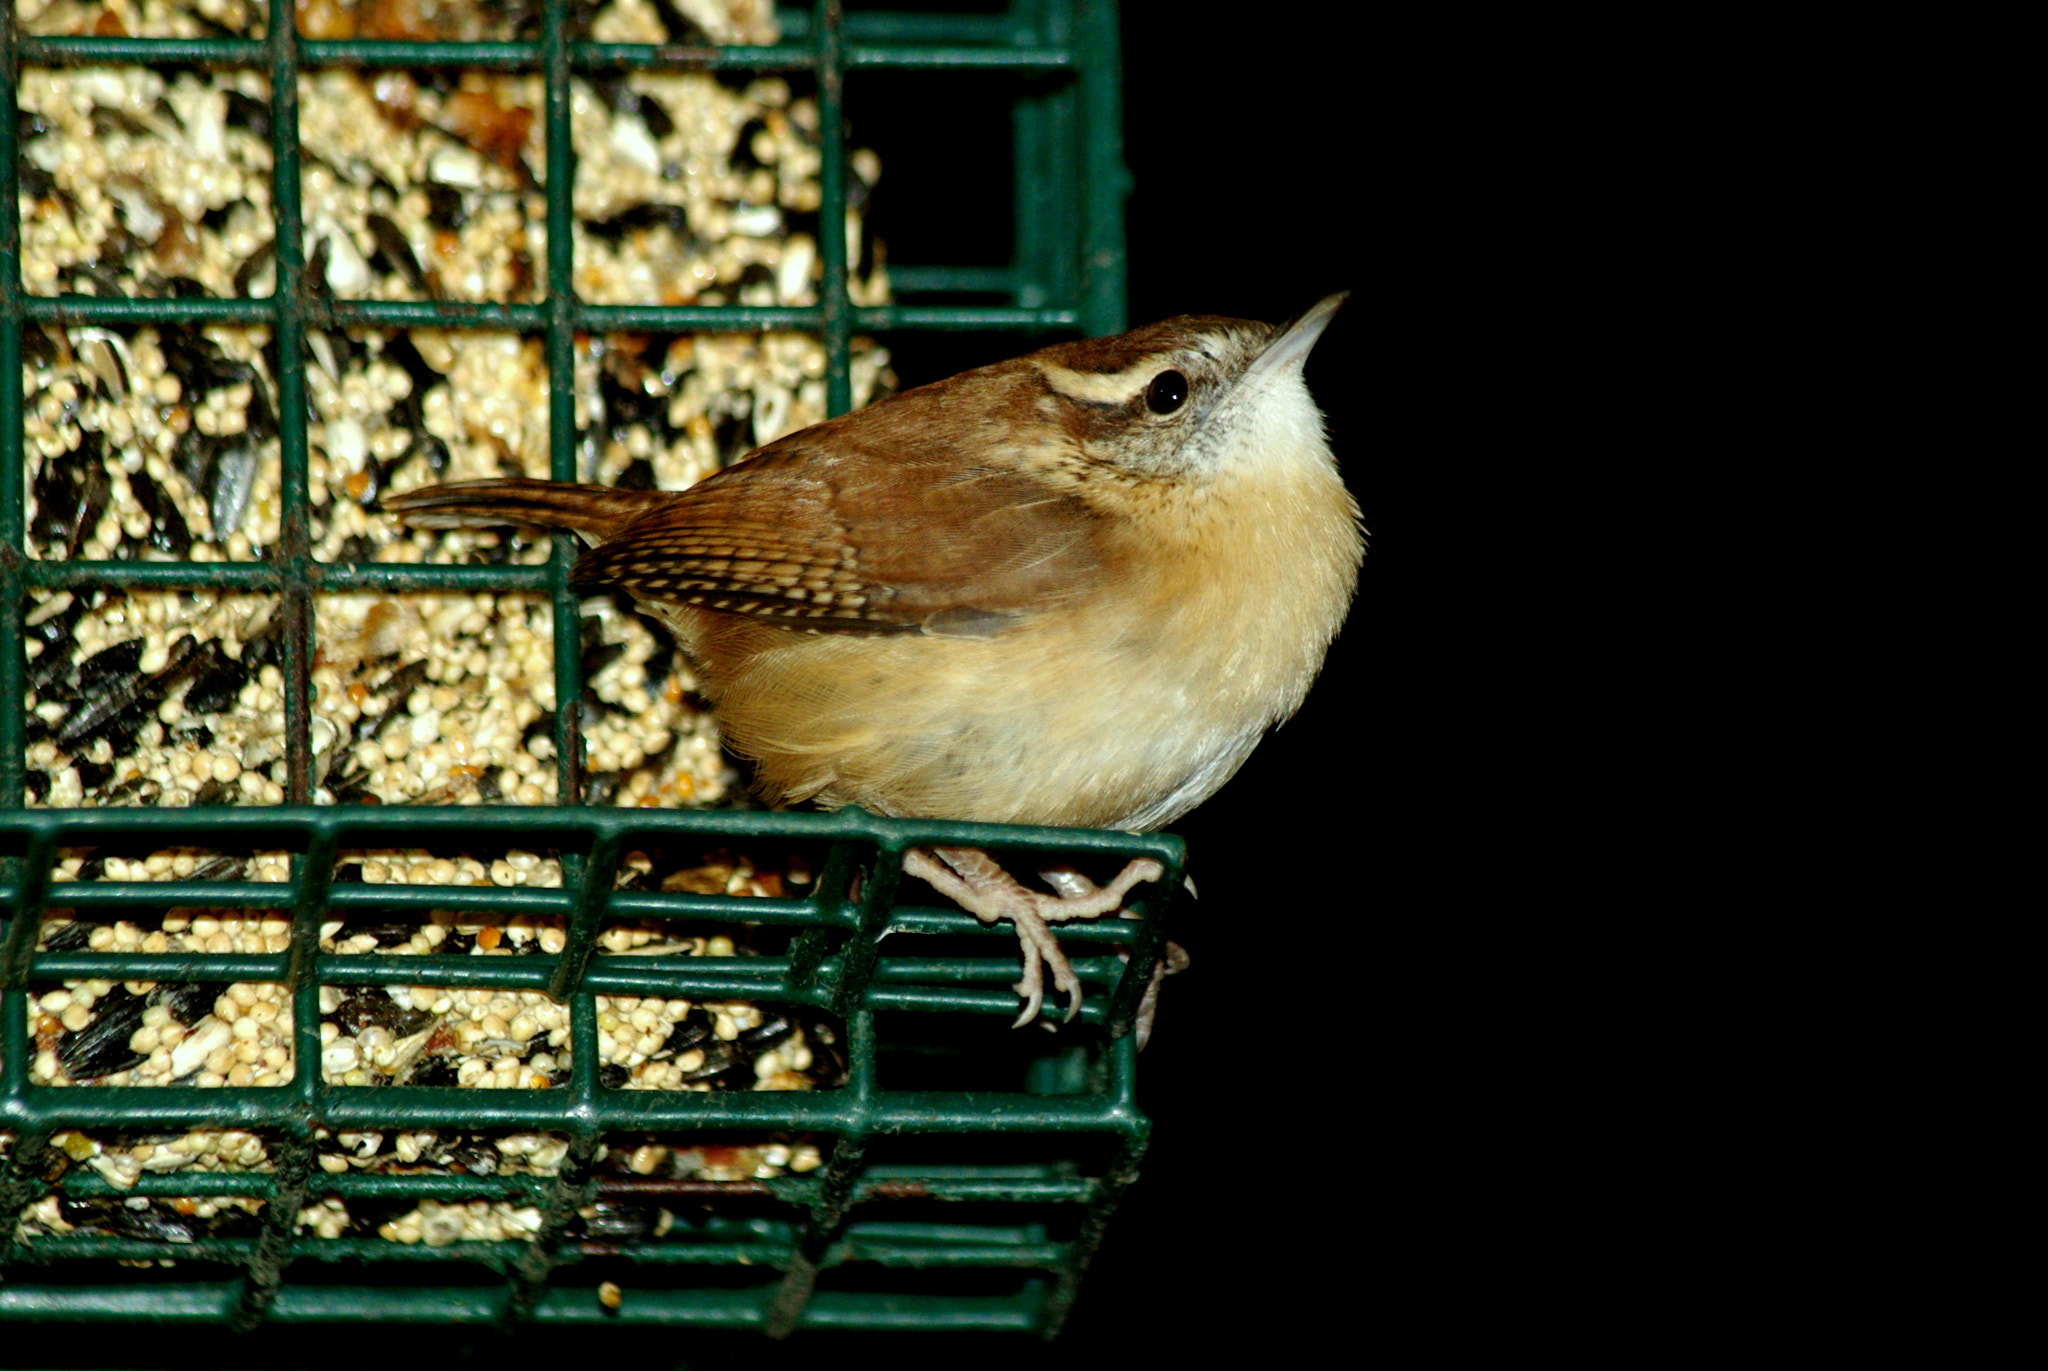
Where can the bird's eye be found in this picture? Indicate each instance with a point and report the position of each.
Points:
(1167, 393)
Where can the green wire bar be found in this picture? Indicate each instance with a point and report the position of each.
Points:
(1067, 277)
(801, 1247)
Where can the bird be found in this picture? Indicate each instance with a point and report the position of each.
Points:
(1074, 588)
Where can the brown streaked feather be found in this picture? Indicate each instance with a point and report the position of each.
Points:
(874, 529)
(593, 511)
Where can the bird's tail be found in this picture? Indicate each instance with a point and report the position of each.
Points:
(596, 512)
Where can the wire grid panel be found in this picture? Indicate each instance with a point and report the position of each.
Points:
(1066, 277)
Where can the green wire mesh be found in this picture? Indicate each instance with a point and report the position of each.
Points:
(773, 1264)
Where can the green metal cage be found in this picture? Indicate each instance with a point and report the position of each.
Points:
(1013, 1180)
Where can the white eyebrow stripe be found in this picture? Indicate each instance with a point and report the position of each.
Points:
(1114, 388)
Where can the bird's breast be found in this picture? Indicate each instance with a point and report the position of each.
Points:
(1122, 704)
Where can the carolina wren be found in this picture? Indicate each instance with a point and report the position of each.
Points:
(1073, 589)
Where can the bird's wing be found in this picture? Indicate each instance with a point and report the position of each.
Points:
(862, 533)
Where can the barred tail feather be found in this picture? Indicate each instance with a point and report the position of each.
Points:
(596, 512)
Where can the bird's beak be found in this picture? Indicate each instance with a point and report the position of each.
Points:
(1290, 346)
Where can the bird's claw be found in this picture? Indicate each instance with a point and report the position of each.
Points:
(978, 884)
(1041, 950)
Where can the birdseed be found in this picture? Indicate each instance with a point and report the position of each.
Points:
(160, 442)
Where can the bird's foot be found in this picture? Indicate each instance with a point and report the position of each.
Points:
(1172, 961)
(978, 884)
